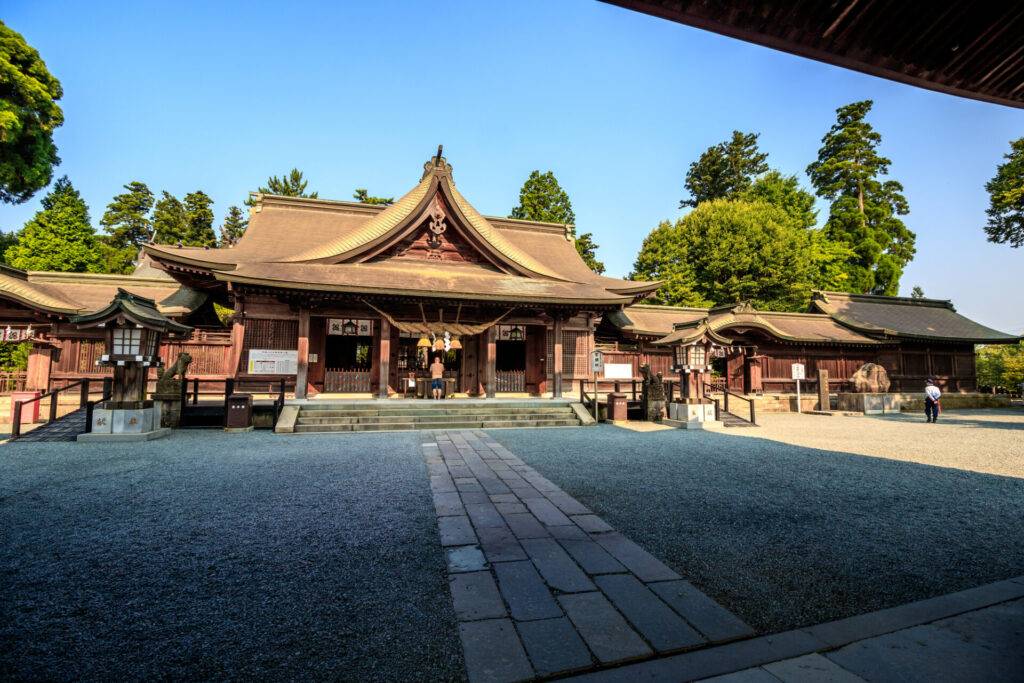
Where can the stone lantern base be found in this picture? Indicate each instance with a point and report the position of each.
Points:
(693, 414)
(125, 421)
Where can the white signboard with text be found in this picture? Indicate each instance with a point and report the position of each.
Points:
(596, 361)
(273, 362)
(798, 371)
(618, 371)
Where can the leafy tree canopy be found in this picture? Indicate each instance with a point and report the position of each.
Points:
(543, 199)
(235, 223)
(1006, 199)
(169, 223)
(291, 185)
(28, 115)
(726, 251)
(784, 191)
(7, 240)
(127, 217)
(14, 355)
(864, 212)
(362, 197)
(587, 250)
(1001, 365)
(198, 221)
(917, 293)
(725, 170)
(59, 237)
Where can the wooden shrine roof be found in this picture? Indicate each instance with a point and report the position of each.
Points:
(321, 245)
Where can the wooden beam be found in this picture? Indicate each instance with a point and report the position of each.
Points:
(492, 358)
(302, 376)
(556, 389)
(385, 358)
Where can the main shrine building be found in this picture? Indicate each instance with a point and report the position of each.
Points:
(339, 297)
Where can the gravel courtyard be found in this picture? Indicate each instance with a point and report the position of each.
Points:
(214, 556)
(788, 535)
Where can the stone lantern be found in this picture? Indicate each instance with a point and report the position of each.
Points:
(133, 330)
(691, 355)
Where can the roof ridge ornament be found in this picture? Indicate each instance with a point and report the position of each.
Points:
(744, 307)
(437, 165)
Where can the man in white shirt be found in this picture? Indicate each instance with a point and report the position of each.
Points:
(931, 400)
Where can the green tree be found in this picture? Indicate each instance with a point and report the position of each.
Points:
(198, 221)
(7, 240)
(784, 192)
(1001, 365)
(28, 115)
(169, 224)
(917, 293)
(362, 197)
(291, 185)
(127, 217)
(543, 199)
(235, 223)
(725, 170)
(59, 237)
(14, 355)
(1006, 199)
(865, 210)
(726, 251)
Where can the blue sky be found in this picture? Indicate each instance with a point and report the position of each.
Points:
(218, 96)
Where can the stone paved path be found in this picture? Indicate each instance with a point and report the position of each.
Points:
(540, 584)
(65, 428)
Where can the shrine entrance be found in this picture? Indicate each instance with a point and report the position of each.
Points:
(520, 359)
(348, 356)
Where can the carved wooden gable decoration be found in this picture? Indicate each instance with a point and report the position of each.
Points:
(435, 237)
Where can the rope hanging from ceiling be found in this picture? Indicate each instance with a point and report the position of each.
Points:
(440, 327)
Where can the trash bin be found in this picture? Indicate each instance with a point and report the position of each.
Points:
(617, 408)
(30, 411)
(239, 412)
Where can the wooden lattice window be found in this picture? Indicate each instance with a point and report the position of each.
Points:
(574, 353)
(281, 335)
(207, 359)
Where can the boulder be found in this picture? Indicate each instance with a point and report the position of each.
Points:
(871, 378)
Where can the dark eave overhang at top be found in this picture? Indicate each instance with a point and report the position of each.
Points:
(967, 49)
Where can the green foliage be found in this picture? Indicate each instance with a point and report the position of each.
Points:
(28, 116)
(917, 293)
(224, 314)
(291, 185)
(784, 192)
(864, 212)
(1006, 199)
(586, 248)
(14, 355)
(362, 197)
(127, 218)
(198, 221)
(7, 240)
(169, 222)
(726, 251)
(543, 199)
(235, 223)
(116, 260)
(1001, 365)
(59, 237)
(725, 170)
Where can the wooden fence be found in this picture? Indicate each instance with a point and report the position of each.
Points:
(12, 381)
(346, 381)
(510, 381)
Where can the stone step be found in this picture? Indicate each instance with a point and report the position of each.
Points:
(480, 410)
(305, 418)
(426, 404)
(474, 424)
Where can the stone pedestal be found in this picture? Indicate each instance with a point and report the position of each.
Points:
(870, 404)
(693, 416)
(125, 421)
(170, 408)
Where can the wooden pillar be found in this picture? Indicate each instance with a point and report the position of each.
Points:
(385, 358)
(302, 376)
(556, 389)
(237, 342)
(492, 359)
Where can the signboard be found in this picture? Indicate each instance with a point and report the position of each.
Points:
(350, 327)
(273, 362)
(9, 334)
(596, 361)
(511, 333)
(798, 371)
(618, 371)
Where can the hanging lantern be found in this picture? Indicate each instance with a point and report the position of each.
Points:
(349, 328)
(456, 344)
(423, 343)
(439, 345)
(515, 334)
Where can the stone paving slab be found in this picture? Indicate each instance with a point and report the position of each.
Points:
(541, 585)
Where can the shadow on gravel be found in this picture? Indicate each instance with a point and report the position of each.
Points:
(211, 556)
(962, 419)
(786, 536)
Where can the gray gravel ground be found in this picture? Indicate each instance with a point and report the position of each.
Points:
(787, 536)
(214, 556)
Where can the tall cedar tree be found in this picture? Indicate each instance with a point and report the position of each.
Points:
(725, 170)
(28, 115)
(127, 217)
(731, 250)
(235, 223)
(59, 237)
(543, 199)
(291, 185)
(363, 197)
(865, 210)
(169, 223)
(198, 221)
(1006, 199)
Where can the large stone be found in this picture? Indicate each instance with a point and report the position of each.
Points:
(871, 378)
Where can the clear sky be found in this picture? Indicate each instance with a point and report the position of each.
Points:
(217, 96)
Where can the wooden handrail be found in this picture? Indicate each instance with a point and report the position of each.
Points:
(16, 406)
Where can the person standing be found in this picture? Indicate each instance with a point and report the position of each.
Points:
(436, 377)
(931, 400)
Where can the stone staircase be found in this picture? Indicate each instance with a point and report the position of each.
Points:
(425, 414)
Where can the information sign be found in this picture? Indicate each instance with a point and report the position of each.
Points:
(798, 371)
(596, 361)
(273, 362)
(618, 371)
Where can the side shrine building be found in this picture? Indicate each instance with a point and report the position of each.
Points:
(340, 297)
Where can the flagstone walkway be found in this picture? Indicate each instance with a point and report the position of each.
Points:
(543, 586)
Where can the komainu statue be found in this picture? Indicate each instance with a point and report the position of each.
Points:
(871, 378)
(168, 379)
(654, 394)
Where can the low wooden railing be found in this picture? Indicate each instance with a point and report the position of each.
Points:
(510, 381)
(709, 389)
(18, 406)
(346, 381)
(12, 381)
